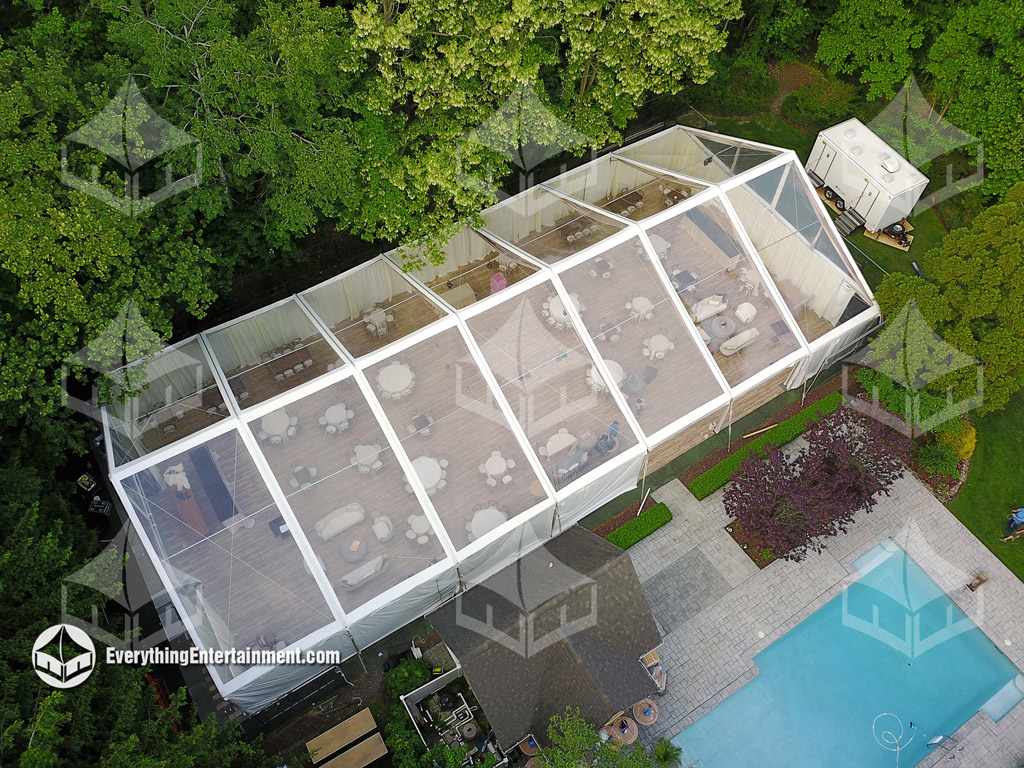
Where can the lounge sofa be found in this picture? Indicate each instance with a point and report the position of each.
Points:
(734, 344)
(708, 307)
(364, 573)
(339, 520)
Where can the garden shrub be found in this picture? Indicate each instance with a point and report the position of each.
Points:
(404, 744)
(640, 527)
(710, 481)
(961, 441)
(938, 459)
(409, 675)
(896, 399)
(819, 104)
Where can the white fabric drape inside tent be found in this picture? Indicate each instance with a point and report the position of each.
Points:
(243, 344)
(413, 604)
(465, 248)
(348, 298)
(790, 257)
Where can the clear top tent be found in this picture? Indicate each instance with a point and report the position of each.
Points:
(319, 473)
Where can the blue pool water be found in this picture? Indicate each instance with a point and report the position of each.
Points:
(842, 688)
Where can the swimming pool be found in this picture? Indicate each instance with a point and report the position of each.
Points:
(867, 680)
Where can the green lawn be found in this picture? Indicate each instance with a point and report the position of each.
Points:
(996, 483)
(767, 128)
(928, 234)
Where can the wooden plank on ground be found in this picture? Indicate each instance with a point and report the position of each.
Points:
(361, 755)
(344, 733)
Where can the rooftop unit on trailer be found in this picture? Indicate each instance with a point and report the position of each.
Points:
(864, 176)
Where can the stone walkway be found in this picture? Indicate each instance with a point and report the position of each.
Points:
(716, 610)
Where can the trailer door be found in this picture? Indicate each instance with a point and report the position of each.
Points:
(869, 200)
(824, 162)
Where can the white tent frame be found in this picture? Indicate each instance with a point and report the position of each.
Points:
(558, 503)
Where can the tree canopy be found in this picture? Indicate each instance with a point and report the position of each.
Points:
(973, 298)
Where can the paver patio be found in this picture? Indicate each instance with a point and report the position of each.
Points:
(715, 623)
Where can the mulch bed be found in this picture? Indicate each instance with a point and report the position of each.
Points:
(750, 545)
(623, 517)
(835, 384)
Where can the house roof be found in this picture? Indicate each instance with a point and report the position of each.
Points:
(564, 626)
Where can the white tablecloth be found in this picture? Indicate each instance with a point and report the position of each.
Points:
(618, 375)
(419, 524)
(485, 520)
(428, 471)
(495, 465)
(642, 305)
(176, 478)
(561, 441)
(376, 318)
(557, 310)
(395, 377)
(659, 343)
(337, 414)
(275, 423)
(661, 245)
(367, 454)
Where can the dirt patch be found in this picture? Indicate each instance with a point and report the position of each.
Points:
(790, 76)
(835, 384)
(760, 555)
(623, 517)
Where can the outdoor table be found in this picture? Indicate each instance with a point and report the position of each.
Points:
(419, 524)
(645, 712)
(618, 374)
(354, 551)
(395, 378)
(641, 306)
(276, 423)
(661, 245)
(495, 465)
(428, 470)
(722, 327)
(557, 310)
(366, 454)
(303, 476)
(560, 441)
(337, 414)
(375, 319)
(659, 344)
(485, 520)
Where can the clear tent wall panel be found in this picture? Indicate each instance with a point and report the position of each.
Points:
(177, 396)
(641, 335)
(439, 403)
(723, 289)
(371, 306)
(498, 551)
(346, 489)
(692, 153)
(546, 226)
(215, 529)
(793, 238)
(548, 376)
(271, 352)
(623, 188)
(474, 267)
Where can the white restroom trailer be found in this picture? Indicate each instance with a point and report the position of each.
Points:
(864, 175)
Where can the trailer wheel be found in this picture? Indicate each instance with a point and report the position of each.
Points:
(829, 194)
(896, 229)
(840, 204)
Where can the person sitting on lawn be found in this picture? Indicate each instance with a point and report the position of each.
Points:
(1015, 518)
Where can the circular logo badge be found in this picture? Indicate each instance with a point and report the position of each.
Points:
(63, 656)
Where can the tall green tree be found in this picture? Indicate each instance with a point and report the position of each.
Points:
(873, 39)
(574, 742)
(977, 61)
(974, 299)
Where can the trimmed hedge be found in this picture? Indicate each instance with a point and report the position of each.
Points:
(640, 527)
(707, 483)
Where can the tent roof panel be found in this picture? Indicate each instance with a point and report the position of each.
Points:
(721, 286)
(548, 377)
